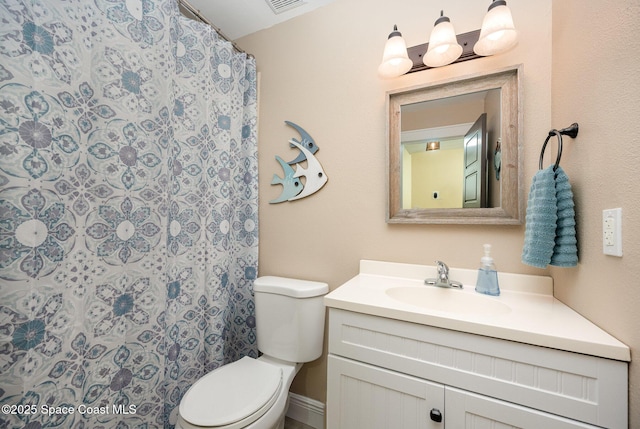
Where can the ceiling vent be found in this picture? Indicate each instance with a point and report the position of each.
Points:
(279, 6)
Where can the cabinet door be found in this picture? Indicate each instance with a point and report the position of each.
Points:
(471, 411)
(361, 396)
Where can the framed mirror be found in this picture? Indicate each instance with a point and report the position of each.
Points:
(454, 151)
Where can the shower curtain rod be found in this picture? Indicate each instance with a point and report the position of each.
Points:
(196, 13)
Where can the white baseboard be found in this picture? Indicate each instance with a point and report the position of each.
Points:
(306, 410)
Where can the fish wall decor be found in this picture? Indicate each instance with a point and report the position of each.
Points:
(293, 187)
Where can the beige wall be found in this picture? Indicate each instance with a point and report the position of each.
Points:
(319, 71)
(596, 82)
(435, 114)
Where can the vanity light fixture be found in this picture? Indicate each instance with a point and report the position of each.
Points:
(497, 35)
(395, 61)
(433, 146)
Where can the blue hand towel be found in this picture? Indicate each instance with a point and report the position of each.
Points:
(541, 220)
(565, 251)
(550, 233)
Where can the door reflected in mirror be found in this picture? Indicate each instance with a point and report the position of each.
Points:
(454, 151)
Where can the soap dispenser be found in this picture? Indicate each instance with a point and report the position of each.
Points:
(487, 282)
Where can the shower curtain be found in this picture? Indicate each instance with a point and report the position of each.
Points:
(128, 210)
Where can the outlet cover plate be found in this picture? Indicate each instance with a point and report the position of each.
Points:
(612, 232)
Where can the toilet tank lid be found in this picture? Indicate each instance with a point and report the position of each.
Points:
(290, 287)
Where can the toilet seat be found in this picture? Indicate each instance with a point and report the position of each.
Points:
(232, 396)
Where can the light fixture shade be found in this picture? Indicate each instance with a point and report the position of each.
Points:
(435, 145)
(443, 44)
(498, 34)
(395, 60)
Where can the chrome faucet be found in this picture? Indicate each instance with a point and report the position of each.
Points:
(443, 277)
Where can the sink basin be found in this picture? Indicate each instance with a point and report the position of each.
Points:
(448, 300)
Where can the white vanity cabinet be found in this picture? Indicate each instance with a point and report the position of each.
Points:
(392, 374)
(366, 396)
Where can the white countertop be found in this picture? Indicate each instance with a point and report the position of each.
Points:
(536, 317)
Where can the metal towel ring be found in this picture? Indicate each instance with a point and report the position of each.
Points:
(571, 131)
(544, 146)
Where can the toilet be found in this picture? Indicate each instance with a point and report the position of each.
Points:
(253, 393)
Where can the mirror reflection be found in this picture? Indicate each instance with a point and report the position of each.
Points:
(450, 152)
(454, 150)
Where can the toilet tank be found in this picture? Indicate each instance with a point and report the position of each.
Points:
(290, 317)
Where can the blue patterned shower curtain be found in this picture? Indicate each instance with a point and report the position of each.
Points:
(128, 210)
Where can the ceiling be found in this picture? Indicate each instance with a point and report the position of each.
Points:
(238, 18)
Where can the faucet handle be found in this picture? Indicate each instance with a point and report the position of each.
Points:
(443, 277)
(442, 268)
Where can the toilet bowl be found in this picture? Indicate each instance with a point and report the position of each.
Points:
(248, 394)
(253, 393)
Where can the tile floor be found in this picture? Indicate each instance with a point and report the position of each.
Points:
(294, 424)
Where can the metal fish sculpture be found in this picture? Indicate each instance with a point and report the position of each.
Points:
(306, 142)
(291, 186)
(314, 174)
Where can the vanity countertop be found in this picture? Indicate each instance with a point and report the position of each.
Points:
(536, 317)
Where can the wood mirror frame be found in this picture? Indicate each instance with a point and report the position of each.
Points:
(511, 210)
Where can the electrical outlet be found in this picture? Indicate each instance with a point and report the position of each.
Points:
(609, 227)
(612, 232)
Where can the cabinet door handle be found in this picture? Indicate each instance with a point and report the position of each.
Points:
(436, 415)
